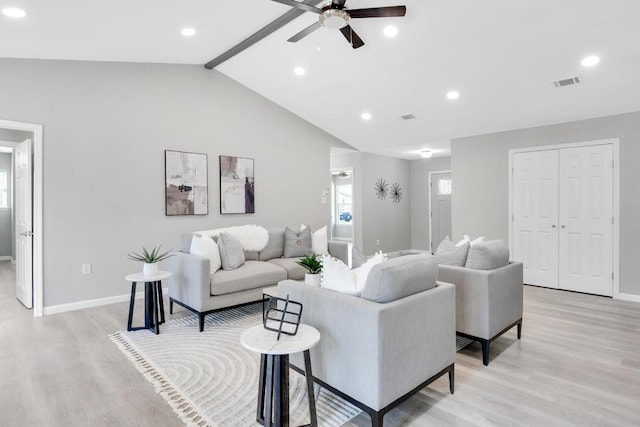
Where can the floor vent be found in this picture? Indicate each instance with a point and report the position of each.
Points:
(408, 117)
(567, 82)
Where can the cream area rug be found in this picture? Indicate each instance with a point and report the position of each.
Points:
(209, 379)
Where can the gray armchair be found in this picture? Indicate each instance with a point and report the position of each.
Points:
(377, 354)
(488, 302)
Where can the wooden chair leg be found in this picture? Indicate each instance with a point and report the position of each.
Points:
(452, 379)
(520, 330)
(485, 352)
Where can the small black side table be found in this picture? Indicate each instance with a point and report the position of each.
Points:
(153, 303)
(273, 385)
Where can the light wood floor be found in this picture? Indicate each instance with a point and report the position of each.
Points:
(578, 364)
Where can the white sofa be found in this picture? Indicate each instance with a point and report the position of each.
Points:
(193, 286)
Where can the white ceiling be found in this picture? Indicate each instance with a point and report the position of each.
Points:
(501, 55)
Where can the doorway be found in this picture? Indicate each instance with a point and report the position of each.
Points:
(33, 251)
(564, 216)
(440, 190)
(342, 216)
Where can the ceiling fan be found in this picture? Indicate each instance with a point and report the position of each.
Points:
(335, 15)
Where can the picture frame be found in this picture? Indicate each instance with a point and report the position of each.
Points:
(237, 185)
(186, 183)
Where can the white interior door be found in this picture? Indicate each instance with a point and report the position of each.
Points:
(535, 216)
(586, 219)
(24, 223)
(440, 215)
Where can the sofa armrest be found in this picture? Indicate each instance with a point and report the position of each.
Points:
(190, 282)
(339, 250)
(376, 352)
(487, 301)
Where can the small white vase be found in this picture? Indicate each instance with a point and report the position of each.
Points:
(149, 269)
(312, 279)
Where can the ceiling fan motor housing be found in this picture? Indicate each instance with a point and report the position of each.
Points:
(334, 18)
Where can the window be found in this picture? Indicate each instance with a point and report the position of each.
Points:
(4, 199)
(344, 202)
(444, 187)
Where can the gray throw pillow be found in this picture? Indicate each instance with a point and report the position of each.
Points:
(400, 277)
(231, 251)
(275, 245)
(450, 254)
(488, 255)
(297, 244)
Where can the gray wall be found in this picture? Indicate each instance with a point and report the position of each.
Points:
(379, 220)
(106, 126)
(480, 175)
(420, 198)
(6, 235)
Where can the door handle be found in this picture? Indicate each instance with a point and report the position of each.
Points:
(553, 226)
(562, 226)
(27, 233)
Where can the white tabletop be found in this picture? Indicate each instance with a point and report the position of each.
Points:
(141, 277)
(260, 340)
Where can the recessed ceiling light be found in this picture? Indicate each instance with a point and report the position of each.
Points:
(188, 32)
(366, 116)
(390, 31)
(299, 71)
(426, 154)
(13, 12)
(590, 61)
(453, 94)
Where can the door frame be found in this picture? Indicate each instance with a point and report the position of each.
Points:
(353, 203)
(429, 214)
(38, 283)
(615, 142)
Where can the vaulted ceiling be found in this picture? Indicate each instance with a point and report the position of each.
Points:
(502, 56)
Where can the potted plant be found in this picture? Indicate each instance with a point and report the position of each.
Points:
(314, 266)
(150, 259)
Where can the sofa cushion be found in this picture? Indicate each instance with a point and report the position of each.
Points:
(320, 241)
(450, 254)
(337, 276)
(251, 256)
(297, 244)
(275, 245)
(400, 277)
(231, 252)
(250, 275)
(488, 255)
(294, 270)
(206, 247)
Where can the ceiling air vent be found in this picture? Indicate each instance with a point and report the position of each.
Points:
(567, 82)
(408, 117)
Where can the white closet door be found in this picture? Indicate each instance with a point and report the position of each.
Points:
(586, 219)
(535, 214)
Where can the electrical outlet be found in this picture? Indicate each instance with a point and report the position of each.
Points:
(86, 268)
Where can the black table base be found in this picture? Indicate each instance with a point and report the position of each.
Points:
(273, 390)
(153, 307)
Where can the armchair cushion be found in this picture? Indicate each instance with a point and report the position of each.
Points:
(488, 255)
(449, 253)
(400, 277)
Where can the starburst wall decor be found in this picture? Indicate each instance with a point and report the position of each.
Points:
(381, 189)
(396, 192)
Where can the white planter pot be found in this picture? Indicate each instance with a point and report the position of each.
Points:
(312, 279)
(149, 269)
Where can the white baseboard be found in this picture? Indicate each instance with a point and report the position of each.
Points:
(5, 258)
(627, 297)
(81, 305)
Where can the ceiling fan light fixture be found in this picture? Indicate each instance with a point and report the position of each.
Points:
(390, 31)
(426, 154)
(334, 18)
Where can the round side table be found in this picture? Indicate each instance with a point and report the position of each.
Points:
(153, 303)
(273, 386)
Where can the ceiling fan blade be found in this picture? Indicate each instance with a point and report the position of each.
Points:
(378, 12)
(339, 4)
(299, 5)
(351, 36)
(310, 29)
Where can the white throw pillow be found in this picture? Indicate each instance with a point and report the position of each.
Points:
(364, 269)
(206, 247)
(465, 239)
(476, 241)
(320, 241)
(336, 276)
